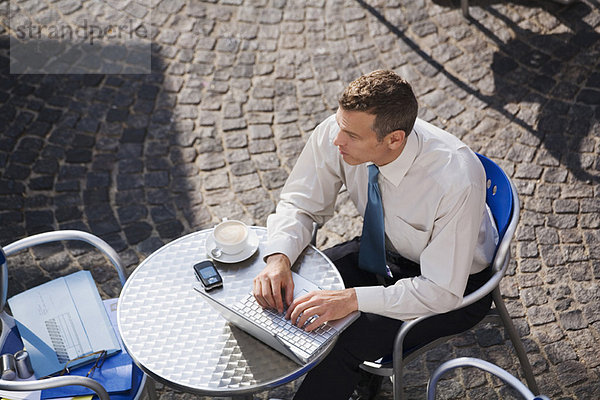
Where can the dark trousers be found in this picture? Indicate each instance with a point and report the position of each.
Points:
(371, 336)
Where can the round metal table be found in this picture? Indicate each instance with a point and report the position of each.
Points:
(179, 340)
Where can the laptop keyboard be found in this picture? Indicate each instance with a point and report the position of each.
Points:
(299, 341)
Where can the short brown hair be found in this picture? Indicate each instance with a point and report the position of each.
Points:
(386, 95)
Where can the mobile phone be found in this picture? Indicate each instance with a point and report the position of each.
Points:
(207, 273)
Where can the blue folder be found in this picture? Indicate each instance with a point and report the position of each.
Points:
(115, 375)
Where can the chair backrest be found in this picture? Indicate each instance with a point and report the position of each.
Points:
(493, 369)
(57, 236)
(3, 278)
(499, 197)
(503, 202)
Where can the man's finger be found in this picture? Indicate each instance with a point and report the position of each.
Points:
(289, 294)
(267, 293)
(262, 293)
(276, 293)
(257, 292)
(314, 323)
(307, 317)
(297, 309)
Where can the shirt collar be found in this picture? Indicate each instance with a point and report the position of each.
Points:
(395, 171)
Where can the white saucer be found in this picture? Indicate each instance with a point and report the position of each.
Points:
(233, 258)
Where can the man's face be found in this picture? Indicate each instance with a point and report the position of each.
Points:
(356, 140)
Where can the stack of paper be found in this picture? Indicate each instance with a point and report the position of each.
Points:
(115, 374)
(62, 320)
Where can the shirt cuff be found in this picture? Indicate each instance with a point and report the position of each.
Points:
(370, 298)
(281, 246)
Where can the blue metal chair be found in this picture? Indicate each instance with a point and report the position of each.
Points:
(503, 201)
(10, 341)
(482, 365)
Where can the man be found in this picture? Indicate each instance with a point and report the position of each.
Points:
(439, 236)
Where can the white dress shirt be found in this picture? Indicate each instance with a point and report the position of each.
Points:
(433, 197)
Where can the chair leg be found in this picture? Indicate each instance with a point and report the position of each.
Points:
(516, 341)
(464, 5)
(151, 389)
(397, 381)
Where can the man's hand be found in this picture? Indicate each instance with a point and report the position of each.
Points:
(326, 305)
(273, 279)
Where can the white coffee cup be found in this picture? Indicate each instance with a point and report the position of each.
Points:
(231, 237)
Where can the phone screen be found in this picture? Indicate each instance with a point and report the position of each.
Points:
(207, 273)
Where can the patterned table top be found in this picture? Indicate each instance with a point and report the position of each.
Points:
(178, 339)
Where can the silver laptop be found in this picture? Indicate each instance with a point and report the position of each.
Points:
(273, 329)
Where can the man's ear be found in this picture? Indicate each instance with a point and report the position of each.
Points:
(395, 139)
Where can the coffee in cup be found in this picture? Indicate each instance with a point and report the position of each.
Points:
(231, 236)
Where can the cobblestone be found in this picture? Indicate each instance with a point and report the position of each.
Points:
(236, 88)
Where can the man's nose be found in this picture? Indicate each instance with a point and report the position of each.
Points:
(337, 140)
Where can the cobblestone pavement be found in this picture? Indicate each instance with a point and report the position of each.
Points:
(235, 89)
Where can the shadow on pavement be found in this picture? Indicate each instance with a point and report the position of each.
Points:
(557, 76)
(102, 153)
(560, 75)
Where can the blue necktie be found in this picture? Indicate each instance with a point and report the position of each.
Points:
(371, 255)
